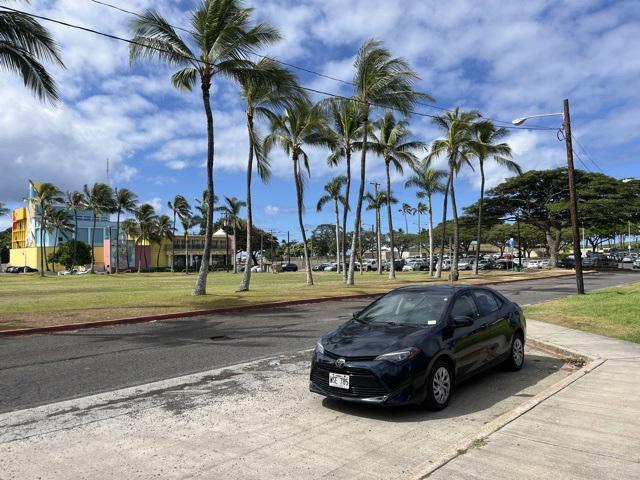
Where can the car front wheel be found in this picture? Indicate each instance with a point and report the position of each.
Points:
(439, 386)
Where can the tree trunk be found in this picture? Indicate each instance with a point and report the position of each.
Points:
(186, 253)
(173, 246)
(444, 225)
(55, 244)
(456, 235)
(305, 247)
(430, 236)
(93, 239)
(356, 222)
(246, 275)
(201, 282)
(419, 236)
(345, 212)
(337, 236)
(379, 241)
(478, 240)
(158, 256)
(75, 236)
(392, 266)
(135, 245)
(118, 241)
(42, 247)
(235, 252)
(554, 245)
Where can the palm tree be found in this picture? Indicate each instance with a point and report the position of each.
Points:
(488, 146)
(202, 206)
(125, 201)
(130, 229)
(404, 210)
(232, 210)
(428, 181)
(187, 222)
(457, 145)
(146, 219)
(298, 127)
(45, 196)
(391, 142)
(24, 44)
(420, 210)
(381, 81)
(376, 202)
(333, 193)
(263, 99)
(222, 39)
(99, 199)
(345, 119)
(180, 207)
(75, 201)
(162, 228)
(60, 222)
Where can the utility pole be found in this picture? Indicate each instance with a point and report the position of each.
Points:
(261, 251)
(629, 237)
(519, 243)
(577, 254)
(288, 248)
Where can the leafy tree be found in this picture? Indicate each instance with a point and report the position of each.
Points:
(60, 222)
(488, 146)
(300, 126)
(187, 222)
(457, 146)
(162, 229)
(100, 200)
(145, 218)
(323, 240)
(125, 202)
(221, 40)
(5, 245)
(232, 209)
(71, 253)
(181, 209)
(405, 241)
(499, 235)
(428, 181)
(263, 99)
(333, 193)
(24, 45)
(383, 81)
(74, 201)
(466, 232)
(405, 210)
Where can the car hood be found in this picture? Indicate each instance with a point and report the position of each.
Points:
(357, 339)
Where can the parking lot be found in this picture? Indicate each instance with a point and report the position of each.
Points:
(256, 420)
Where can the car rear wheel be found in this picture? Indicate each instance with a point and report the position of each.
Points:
(516, 356)
(439, 386)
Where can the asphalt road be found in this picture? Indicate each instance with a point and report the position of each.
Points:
(41, 369)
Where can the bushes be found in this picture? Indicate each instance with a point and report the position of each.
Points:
(64, 254)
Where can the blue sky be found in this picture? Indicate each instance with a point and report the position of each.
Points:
(507, 59)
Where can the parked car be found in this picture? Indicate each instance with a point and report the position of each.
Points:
(371, 265)
(320, 267)
(464, 264)
(289, 267)
(414, 266)
(11, 269)
(503, 264)
(398, 264)
(485, 264)
(331, 267)
(258, 269)
(406, 347)
(533, 264)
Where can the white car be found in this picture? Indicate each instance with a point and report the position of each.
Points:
(534, 264)
(464, 265)
(258, 269)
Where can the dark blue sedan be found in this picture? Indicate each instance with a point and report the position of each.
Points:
(412, 345)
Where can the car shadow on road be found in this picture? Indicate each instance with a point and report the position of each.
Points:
(477, 394)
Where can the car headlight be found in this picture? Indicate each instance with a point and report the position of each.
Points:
(399, 355)
(319, 347)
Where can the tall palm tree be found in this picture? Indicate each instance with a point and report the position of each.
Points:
(180, 208)
(45, 196)
(162, 228)
(333, 193)
(75, 201)
(263, 99)
(100, 200)
(187, 222)
(232, 209)
(391, 142)
(24, 45)
(146, 219)
(405, 210)
(377, 202)
(428, 181)
(60, 222)
(457, 146)
(202, 206)
(381, 81)
(345, 121)
(489, 146)
(219, 44)
(300, 126)
(125, 202)
(420, 210)
(130, 229)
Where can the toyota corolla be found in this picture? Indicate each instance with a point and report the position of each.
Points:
(414, 344)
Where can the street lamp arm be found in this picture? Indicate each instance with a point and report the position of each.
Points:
(521, 120)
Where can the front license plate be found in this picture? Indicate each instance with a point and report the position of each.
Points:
(338, 380)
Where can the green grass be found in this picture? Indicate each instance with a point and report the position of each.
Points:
(29, 300)
(614, 312)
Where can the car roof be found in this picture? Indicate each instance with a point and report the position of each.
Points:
(442, 289)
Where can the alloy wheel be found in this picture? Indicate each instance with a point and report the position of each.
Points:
(441, 385)
(517, 352)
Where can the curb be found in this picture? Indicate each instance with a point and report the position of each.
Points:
(461, 447)
(195, 313)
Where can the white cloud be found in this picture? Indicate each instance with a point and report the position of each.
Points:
(156, 203)
(271, 210)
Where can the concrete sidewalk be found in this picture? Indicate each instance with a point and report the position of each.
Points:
(590, 429)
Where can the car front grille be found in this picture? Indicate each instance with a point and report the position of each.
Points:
(361, 385)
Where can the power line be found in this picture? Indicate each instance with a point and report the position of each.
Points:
(587, 154)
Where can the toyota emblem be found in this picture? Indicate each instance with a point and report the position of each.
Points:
(340, 362)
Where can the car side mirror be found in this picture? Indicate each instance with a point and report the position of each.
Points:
(461, 321)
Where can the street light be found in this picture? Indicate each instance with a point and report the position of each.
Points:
(573, 201)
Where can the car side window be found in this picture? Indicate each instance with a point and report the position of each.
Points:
(486, 301)
(464, 306)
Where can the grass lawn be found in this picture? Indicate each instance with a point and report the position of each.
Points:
(614, 312)
(29, 300)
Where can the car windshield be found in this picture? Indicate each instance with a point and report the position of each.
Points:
(406, 308)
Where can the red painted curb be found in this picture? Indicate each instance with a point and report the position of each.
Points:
(196, 313)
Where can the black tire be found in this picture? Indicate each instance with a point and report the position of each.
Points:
(515, 361)
(439, 386)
